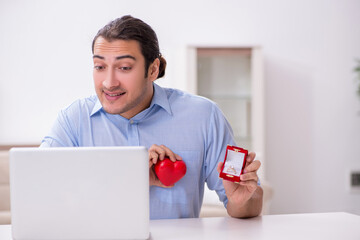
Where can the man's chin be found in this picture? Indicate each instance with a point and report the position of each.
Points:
(111, 110)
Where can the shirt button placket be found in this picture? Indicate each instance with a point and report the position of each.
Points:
(133, 137)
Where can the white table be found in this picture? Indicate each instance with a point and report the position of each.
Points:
(337, 226)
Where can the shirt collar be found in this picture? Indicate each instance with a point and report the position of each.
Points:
(97, 107)
(159, 98)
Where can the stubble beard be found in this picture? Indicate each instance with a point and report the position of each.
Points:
(130, 105)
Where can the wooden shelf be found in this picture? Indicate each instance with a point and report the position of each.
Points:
(8, 147)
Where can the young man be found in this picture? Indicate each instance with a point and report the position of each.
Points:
(131, 110)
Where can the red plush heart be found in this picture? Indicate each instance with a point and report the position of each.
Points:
(169, 172)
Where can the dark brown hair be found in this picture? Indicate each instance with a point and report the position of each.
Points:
(130, 28)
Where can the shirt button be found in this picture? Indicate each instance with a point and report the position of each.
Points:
(131, 121)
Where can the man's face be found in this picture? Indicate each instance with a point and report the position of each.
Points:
(119, 77)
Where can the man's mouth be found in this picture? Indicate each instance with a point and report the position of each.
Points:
(111, 96)
(115, 94)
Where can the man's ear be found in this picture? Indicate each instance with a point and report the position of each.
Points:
(153, 70)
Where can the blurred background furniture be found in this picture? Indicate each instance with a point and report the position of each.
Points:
(5, 217)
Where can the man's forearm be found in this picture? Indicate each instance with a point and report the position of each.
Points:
(251, 208)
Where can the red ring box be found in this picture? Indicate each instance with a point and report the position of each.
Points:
(234, 163)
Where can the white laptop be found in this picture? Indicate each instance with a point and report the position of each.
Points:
(79, 193)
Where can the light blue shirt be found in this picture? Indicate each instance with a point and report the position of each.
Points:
(191, 126)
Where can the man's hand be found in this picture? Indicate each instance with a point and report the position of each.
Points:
(158, 153)
(244, 198)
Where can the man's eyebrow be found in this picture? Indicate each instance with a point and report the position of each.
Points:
(117, 58)
(125, 56)
(98, 56)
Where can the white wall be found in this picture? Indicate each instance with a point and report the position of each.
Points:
(312, 116)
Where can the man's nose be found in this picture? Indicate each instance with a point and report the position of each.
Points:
(111, 80)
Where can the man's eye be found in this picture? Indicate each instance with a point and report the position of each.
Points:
(125, 68)
(98, 68)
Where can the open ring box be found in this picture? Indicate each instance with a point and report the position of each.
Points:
(234, 163)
